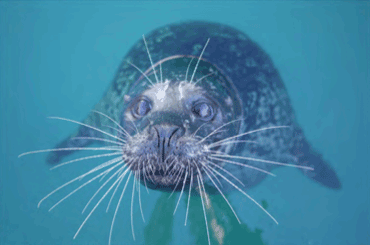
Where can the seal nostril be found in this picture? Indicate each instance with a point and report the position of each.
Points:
(158, 137)
(166, 136)
(163, 149)
(173, 133)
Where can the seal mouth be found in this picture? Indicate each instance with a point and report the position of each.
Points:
(170, 175)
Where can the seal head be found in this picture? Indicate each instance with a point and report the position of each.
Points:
(176, 118)
(177, 103)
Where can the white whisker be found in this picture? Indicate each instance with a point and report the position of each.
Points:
(216, 178)
(182, 190)
(86, 183)
(233, 176)
(136, 129)
(121, 176)
(138, 187)
(232, 142)
(187, 70)
(144, 176)
(187, 207)
(200, 57)
(243, 165)
(113, 161)
(261, 160)
(71, 149)
(177, 180)
(99, 139)
(137, 68)
(151, 62)
(102, 186)
(112, 120)
(219, 190)
(120, 134)
(205, 76)
(160, 71)
(204, 210)
(250, 198)
(246, 133)
(96, 205)
(199, 128)
(88, 126)
(132, 204)
(214, 131)
(118, 205)
(86, 158)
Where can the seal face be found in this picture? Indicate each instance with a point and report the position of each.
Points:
(190, 83)
(211, 111)
(173, 117)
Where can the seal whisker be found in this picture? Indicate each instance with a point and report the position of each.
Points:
(207, 171)
(172, 171)
(200, 57)
(88, 126)
(160, 71)
(262, 160)
(118, 205)
(151, 169)
(199, 128)
(132, 204)
(106, 182)
(150, 58)
(182, 191)
(84, 184)
(223, 169)
(96, 205)
(119, 131)
(187, 69)
(243, 165)
(214, 131)
(99, 139)
(205, 76)
(250, 198)
(144, 175)
(71, 149)
(121, 176)
(177, 180)
(249, 132)
(214, 176)
(86, 158)
(138, 189)
(187, 206)
(150, 175)
(137, 68)
(136, 129)
(116, 123)
(233, 142)
(168, 166)
(204, 210)
(113, 161)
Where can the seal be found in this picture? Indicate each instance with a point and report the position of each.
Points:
(196, 105)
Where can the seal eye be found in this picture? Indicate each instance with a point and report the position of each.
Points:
(141, 108)
(203, 110)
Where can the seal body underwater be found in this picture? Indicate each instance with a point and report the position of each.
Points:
(198, 104)
(238, 81)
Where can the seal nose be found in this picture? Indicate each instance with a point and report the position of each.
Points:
(166, 135)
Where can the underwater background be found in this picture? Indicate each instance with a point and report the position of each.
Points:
(58, 58)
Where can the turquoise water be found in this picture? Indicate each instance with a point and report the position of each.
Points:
(57, 59)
